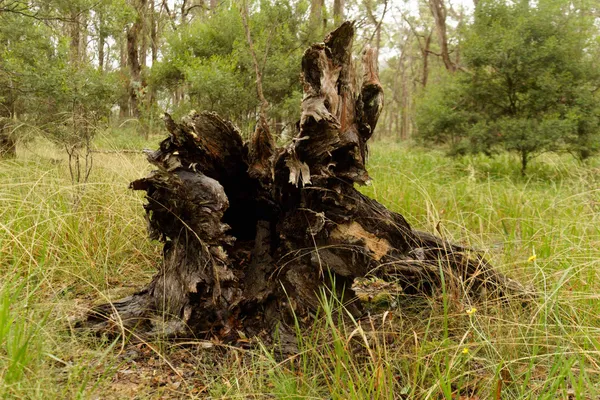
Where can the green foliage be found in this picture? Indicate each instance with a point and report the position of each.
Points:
(528, 85)
(42, 92)
(215, 67)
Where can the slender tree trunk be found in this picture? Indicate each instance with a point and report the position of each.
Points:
(404, 100)
(438, 10)
(101, 44)
(75, 36)
(524, 162)
(8, 145)
(425, 54)
(375, 23)
(133, 60)
(153, 48)
(338, 11)
(318, 20)
(134, 70)
(124, 109)
(83, 36)
(143, 33)
(153, 33)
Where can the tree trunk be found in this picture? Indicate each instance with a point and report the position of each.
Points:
(404, 100)
(75, 36)
(338, 11)
(524, 162)
(123, 66)
(438, 10)
(8, 145)
(101, 44)
(247, 256)
(133, 59)
(134, 69)
(153, 33)
(316, 14)
(425, 54)
(376, 24)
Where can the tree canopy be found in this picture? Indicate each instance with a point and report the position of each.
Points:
(493, 76)
(528, 84)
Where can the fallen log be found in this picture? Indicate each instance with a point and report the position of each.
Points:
(253, 233)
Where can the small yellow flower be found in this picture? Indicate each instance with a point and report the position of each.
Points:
(471, 311)
(532, 258)
(465, 350)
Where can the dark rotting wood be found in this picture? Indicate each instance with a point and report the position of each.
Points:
(252, 234)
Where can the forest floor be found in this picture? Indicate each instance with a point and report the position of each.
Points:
(57, 259)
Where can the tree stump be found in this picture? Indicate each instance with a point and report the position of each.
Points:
(253, 233)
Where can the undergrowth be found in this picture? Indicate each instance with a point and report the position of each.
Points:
(543, 230)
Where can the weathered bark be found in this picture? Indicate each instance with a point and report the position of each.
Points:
(248, 255)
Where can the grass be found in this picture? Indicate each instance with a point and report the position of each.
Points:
(544, 230)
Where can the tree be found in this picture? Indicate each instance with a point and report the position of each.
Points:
(47, 83)
(529, 83)
(439, 12)
(217, 70)
(247, 256)
(25, 51)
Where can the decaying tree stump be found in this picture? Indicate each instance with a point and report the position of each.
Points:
(253, 233)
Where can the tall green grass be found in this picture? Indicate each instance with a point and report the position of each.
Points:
(58, 258)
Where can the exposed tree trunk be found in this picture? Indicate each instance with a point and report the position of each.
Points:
(246, 256)
(438, 10)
